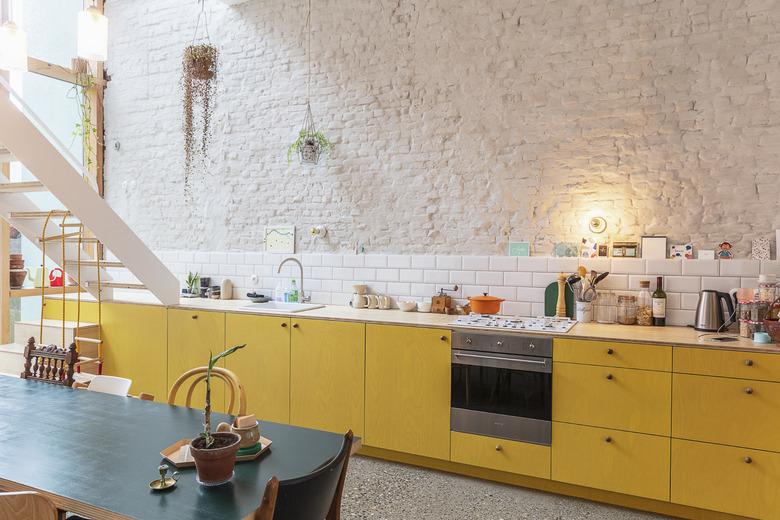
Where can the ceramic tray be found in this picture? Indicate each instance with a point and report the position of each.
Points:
(179, 454)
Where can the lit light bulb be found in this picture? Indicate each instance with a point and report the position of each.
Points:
(13, 47)
(93, 35)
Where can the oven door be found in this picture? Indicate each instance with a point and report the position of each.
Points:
(505, 396)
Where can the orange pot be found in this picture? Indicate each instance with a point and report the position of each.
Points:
(485, 304)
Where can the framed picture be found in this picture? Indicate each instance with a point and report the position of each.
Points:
(654, 248)
(589, 248)
(625, 249)
(280, 239)
(519, 249)
(603, 250)
(706, 254)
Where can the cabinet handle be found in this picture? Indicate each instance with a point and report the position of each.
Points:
(610, 377)
(608, 440)
(295, 325)
(748, 390)
(498, 447)
(443, 338)
(284, 324)
(610, 351)
(748, 460)
(194, 316)
(748, 362)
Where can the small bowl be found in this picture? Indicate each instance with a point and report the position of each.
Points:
(424, 307)
(407, 306)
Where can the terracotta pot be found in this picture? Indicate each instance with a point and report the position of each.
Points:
(18, 276)
(215, 465)
(485, 304)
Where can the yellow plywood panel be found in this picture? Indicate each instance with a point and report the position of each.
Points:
(727, 363)
(613, 354)
(500, 454)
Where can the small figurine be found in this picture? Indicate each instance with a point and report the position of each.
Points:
(725, 251)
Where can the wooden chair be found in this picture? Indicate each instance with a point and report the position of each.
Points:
(316, 495)
(110, 385)
(28, 505)
(199, 375)
(49, 363)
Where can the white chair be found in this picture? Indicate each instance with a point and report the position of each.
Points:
(110, 385)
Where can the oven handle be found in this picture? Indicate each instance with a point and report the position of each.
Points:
(504, 359)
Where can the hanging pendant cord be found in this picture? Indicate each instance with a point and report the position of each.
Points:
(205, 17)
(308, 55)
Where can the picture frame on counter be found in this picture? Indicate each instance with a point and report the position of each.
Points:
(706, 254)
(625, 249)
(654, 248)
(684, 251)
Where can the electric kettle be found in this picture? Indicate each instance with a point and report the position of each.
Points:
(709, 311)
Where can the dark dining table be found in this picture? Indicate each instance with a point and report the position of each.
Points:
(94, 454)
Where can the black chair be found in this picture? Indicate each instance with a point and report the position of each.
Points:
(316, 496)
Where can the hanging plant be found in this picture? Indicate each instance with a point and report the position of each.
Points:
(84, 129)
(200, 64)
(311, 144)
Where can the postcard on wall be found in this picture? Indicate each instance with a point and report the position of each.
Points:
(519, 249)
(682, 251)
(280, 239)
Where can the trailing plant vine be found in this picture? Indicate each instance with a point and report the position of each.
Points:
(85, 129)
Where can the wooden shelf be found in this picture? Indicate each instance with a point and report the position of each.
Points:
(36, 291)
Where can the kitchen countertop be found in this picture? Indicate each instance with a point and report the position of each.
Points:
(627, 333)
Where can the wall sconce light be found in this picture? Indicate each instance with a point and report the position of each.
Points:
(92, 35)
(597, 225)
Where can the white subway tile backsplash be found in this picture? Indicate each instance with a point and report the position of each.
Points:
(503, 263)
(423, 262)
(596, 264)
(422, 289)
(201, 257)
(312, 260)
(518, 279)
(476, 263)
(531, 294)
(490, 278)
(353, 260)
(532, 263)
(507, 293)
(544, 279)
(673, 300)
(332, 260)
(562, 265)
(740, 267)
(537, 309)
(628, 266)
(748, 283)
(680, 318)
(375, 261)
(399, 289)
(689, 301)
(474, 290)
(321, 298)
(683, 284)
(235, 258)
(700, 267)
(516, 308)
(377, 287)
(614, 282)
(323, 273)
(343, 273)
(332, 285)
(462, 277)
(411, 275)
(227, 269)
(253, 258)
(186, 256)
(724, 284)
(399, 261)
(770, 267)
(387, 275)
(365, 274)
(664, 267)
(437, 277)
(448, 262)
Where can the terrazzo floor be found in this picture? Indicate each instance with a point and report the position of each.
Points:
(382, 490)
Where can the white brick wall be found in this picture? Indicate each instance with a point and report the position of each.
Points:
(456, 125)
(523, 290)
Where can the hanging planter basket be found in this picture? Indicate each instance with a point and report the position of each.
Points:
(200, 62)
(311, 143)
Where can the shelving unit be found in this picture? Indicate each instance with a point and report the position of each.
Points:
(36, 291)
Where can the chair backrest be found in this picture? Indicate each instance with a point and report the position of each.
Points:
(316, 495)
(110, 385)
(198, 375)
(28, 505)
(49, 363)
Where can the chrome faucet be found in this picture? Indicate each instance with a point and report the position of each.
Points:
(302, 298)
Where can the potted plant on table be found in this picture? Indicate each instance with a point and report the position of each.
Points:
(214, 453)
(193, 285)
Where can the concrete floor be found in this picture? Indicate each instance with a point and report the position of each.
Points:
(383, 490)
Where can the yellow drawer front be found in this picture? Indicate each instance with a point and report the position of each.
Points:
(722, 478)
(726, 411)
(727, 363)
(609, 397)
(631, 463)
(501, 454)
(613, 354)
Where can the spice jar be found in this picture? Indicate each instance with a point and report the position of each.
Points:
(626, 310)
(644, 304)
(605, 308)
(767, 287)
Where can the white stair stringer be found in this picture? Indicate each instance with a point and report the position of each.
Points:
(30, 142)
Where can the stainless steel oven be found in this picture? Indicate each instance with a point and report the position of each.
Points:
(502, 385)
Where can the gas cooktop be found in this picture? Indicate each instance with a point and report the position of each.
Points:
(540, 324)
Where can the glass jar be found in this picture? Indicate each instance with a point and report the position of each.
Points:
(767, 287)
(626, 310)
(605, 308)
(644, 304)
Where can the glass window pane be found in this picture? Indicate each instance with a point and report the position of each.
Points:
(51, 28)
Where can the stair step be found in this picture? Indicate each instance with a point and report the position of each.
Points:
(93, 263)
(67, 236)
(40, 214)
(22, 187)
(71, 224)
(113, 284)
(79, 339)
(72, 238)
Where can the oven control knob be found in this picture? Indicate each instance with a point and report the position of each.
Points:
(531, 346)
(498, 447)
(468, 340)
(500, 343)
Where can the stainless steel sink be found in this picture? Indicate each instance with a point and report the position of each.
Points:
(279, 307)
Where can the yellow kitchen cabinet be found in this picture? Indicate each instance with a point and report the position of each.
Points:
(408, 390)
(727, 363)
(609, 397)
(327, 375)
(192, 335)
(263, 366)
(501, 454)
(736, 412)
(613, 354)
(52, 310)
(724, 478)
(631, 463)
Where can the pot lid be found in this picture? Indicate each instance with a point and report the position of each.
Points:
(485, 298)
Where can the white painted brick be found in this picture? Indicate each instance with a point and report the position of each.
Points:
(740, 267)
(448, 262)
(671, 266)
(503, 263)
(437, 277)
(476, 263)
(700, 267)
(532, 263)
(411, 275)
(423, 262)
(400, 261)
(463, 277)
(518, 279)
(516, 308)
(375, 260)
(490, 278)
(683, 284)
(562, 265)
(722, 283)
(365, 274)
(628, 266)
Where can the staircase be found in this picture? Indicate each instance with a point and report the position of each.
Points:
(24, 137)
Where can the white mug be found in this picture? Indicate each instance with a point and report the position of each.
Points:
(384, 301)
(359, 301)
(373, 301)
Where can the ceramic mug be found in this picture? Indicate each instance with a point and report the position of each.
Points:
(250, 436)
(373, 301)
(384, 301)
(359, 301)
(761, 337)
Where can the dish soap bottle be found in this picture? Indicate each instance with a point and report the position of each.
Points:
(279, 295)
(293, 291)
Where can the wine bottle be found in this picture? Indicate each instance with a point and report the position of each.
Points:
(659, 304)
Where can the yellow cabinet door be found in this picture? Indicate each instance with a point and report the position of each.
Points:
(631, 463)
(408, 390)
(609, 397)
(723, 478)
(52, 310)
(727, 363)
(135, 346)
(613, 354)
(263, 366)
(501, 454)
(327, 374)
(736, 412)
(192, 336)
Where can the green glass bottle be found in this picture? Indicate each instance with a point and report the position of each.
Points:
(659, 304)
